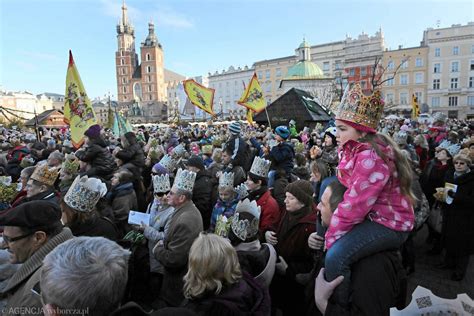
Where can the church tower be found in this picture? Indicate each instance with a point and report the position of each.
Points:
(152, 70)
(126, 59)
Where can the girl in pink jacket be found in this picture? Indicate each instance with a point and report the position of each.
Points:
(376, 213)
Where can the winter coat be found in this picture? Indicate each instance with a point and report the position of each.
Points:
(422, 154)
(282, 156)
(18, 289)
(122, 199)
(185, 225)
(240, 151)
(258, 260)
(96, 226)
(433, 177)
(373, 190)
(48, 195)
(202, 193)
(246, 297)
(133, 154)
(157, 230)
(269, 209)
(14, 157)
(458, 221)
(226, 209)
(329, 155)
(100, 160)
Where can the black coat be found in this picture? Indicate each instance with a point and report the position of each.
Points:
(202, 193)
(458, 221)
(97, 155)
(133, 154)
(433, 177)
(282, 156)
(96, 227)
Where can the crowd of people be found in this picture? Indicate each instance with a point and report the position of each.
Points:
(241, 219)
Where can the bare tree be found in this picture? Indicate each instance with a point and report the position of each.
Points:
(378, 71)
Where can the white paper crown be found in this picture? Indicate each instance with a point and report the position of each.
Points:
(168, 162)
(260, 167)
(226, 180)
(178, 151)
(84, 193)
(453, 149)
(242, 191)
(184, 180)
(243, 228)
(161, 183)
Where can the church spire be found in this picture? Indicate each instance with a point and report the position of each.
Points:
(124, 25)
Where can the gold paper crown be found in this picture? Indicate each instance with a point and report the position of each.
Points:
(45, 174)
(358, 108)
(71, 164)
(184, 180)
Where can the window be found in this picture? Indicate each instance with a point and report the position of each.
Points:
(389, 97)
(404, 64)
(403, 98)
(453, 101)
(454, 83)
(122, 62)
(148, 69)
(352, 72)
(435, 101)
(390, 65)
(471, 82)
(259, 75)
(437, 68)
(363, 72)
(436, 84)
(363, 84)
(419, 77)
(148, 57)
(269, 87)
(470, 100)
(455, 66)
(124, 89)
(149, 78)
(437, 52)
(389, 82)
(278, 83)
(404, 79)
(278, 72)
(267, 74)
(456, 50)
(326, 66)
(338, 65)
(419, 96)
(123, 79)
(472, 65)
(150, 88)
(419, 62)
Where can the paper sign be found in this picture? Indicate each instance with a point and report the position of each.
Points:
(449, 187)
(136, 218)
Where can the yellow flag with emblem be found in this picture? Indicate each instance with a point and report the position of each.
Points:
(78, 111)
(250, 116)
(415, 112)
(199, 95)
(252, 97)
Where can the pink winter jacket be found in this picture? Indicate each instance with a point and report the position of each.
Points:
(373, 191)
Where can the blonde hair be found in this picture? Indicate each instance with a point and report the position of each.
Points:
(217, 155)
(212, 265)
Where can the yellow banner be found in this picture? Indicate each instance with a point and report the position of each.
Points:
(415, 111)
(78, 111)
(250, 116)
(199, 95)
(252, 98)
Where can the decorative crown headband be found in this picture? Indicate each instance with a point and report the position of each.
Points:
(184, 180)
(243, 228)
(226, 180)
(84, 193)
(161, 183)
(260, 167)
(44, 174)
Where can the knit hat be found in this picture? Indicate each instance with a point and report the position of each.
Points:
(331, 132)
(93, 131)
(282, 131)
(196, 161)
(234, 128)
(302, 190)
(159, 169)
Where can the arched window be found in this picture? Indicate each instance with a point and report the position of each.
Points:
(148, 69)
(148, 57)
(122, 62)
(124, 89)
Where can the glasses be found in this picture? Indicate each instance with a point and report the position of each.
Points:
(12, 239)
(161, 194)
(462, 163)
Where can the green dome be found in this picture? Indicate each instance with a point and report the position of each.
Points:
(304, 44)
(304, 69)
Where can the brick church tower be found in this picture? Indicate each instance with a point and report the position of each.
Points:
(138, 83)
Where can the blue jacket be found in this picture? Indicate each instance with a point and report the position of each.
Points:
(282, 156)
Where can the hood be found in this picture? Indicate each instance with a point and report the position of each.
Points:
(131, 138)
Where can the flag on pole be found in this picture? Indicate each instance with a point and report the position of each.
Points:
(415, 112)
(250, 116)
(252, 97)
(78, 111)
(121, 125)
(199, 95)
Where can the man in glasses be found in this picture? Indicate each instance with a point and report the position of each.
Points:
(31, 231)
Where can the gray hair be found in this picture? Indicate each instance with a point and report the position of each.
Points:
(85, 273)
(57, 155)
(187, 194)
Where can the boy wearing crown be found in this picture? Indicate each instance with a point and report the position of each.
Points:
(225, 205)
(376, 213)
(184, 227)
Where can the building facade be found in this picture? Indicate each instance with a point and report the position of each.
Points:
(451, 70)
(405, 75)
(229, 86)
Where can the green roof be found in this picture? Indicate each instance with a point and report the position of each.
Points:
(304, 44)
(304, 69)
